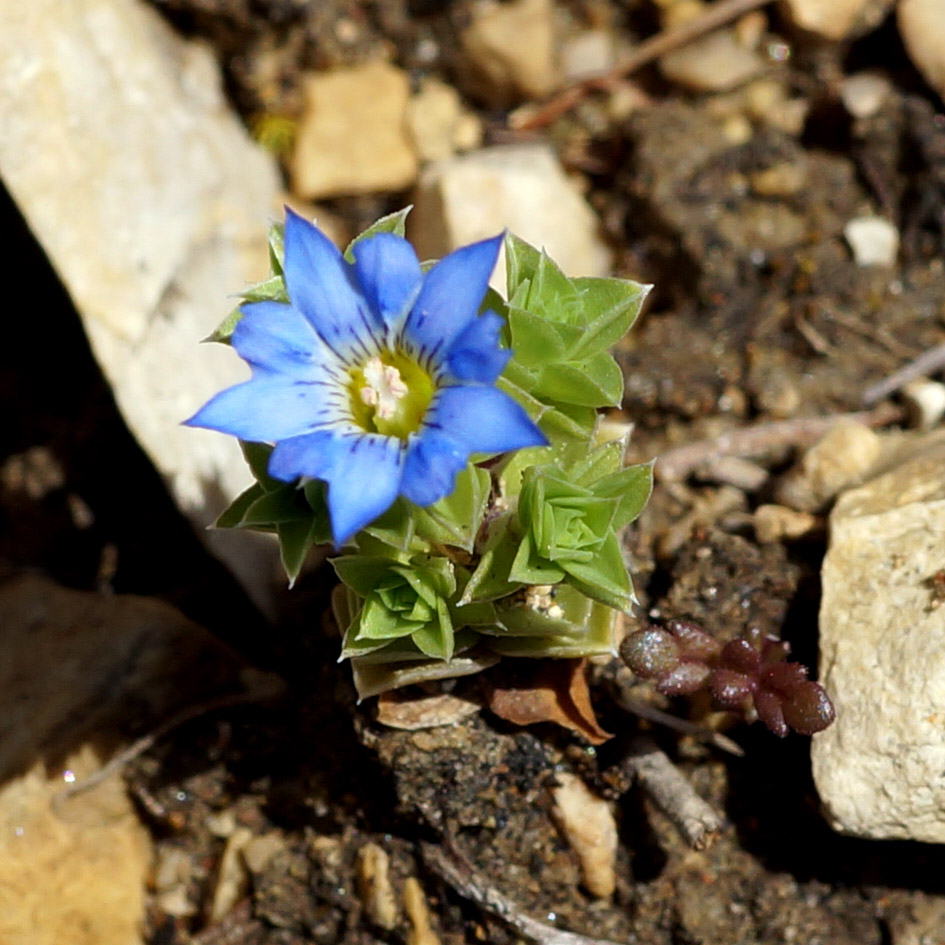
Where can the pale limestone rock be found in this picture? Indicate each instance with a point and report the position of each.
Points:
(777, 523)
(713, 63)
(879, 767)
(352, 135)
(589, 52)
(922, 27)
(588, 824)
(842, 458)
(837, 19)
(873, 240)
(865, 93)
(71, 871)
(152, 203)
(509, 50)
(519, 187)
(438, 125)
(374, 885)
(75, 669)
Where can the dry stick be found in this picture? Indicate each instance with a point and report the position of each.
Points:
(718, 15)
(267, 687)
(454, 869)
(695, 819)
(678, 463)
(930, 362)
(646, 711)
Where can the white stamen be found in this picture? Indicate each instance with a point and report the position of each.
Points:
(384, 388)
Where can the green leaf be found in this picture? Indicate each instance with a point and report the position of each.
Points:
(276, 241)
(594, 383)
(534, 340)
(295, 540)
(631, 487)
(395, 528)
(604, 579)
(257, 457)
(551, 294)
(395, 223)
(272, 290)
(602, 461)
(277, 507)
(611, 307)
(362, 573)
(521, 262)
(530, 568)
(224, 330)
(456, 518)
(435, 639)
(232, 515)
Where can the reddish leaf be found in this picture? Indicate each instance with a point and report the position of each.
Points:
(525, 692)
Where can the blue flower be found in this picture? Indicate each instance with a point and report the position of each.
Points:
(377, 377)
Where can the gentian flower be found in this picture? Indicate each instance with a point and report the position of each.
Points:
(376, 377)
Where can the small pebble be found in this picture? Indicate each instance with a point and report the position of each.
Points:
(925, 402)
(874, 241)
(418, 912)
(777, 523)
(374, 885)
(587, 822)
(863, 94)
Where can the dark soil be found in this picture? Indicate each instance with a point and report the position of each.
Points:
(759, 313)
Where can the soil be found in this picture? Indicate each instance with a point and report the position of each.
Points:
(759, 313)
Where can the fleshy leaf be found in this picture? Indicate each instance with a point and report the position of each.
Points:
(613, 306)
(594, 383)
(395, 223)
(232, 515)
(631, 487)
(455, 519)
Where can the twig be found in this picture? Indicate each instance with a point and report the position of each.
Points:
(454, 869)
(677, 464)
(672, 793)
(878, 335)
(929, 362)
(718, 15)
(683, 726)
(266, 687)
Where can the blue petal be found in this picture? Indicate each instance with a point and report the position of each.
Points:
(483, 420)
(389, 275)
(475, 354)
(318, 282)
(433, 460)
(266, 409)
(363, 472)
(277, 338)
(450, 298)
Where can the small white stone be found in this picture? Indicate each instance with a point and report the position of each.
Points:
(520, 187)
(879, 767)
(925, 402)
(874, 241)
(433, 115)
(922, 26)
(863, 94)
(589, 52)
(352, 136)
(713, 63)
(587, 822)
(836, 19)
(509, 50)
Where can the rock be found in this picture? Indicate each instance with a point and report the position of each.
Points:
(842, 458)
(924, 401)
(509, 51)
(71, 871)
(352, 136)
(588, 824)
(878, 769)
(777, 523)
(418, 913)
(713, 63)
(76, 669)
(374, 886)
(151, 202)
(922, 27)
(437, 124)
(520, 187)
(873, 240)
(837, 19)
(587, 53)
(865, 93)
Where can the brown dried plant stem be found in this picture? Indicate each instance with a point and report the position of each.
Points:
(719, 14)
(695, 819)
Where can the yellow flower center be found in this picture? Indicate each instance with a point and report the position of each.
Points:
(390, 394)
